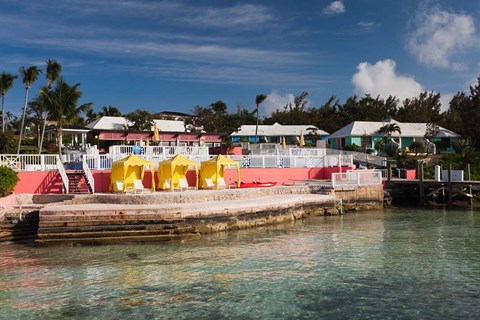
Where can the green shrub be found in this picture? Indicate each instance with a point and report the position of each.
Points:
(417, 147)
(8, 181)
(351, 147)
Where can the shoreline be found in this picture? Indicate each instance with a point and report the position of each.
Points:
(161, 216)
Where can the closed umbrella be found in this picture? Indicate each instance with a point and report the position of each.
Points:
(284, 143)
(302, 139)
(156, 137)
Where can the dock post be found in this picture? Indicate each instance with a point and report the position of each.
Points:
(470, 199)
(389, 173)
(420, 182)
(450, 194)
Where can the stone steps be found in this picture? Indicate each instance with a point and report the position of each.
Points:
(117, 239)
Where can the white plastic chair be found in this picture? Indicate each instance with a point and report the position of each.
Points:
(184, 184)
(221, 183)
(119, 184)
(209, 183)
(167, 185)
(138, 186)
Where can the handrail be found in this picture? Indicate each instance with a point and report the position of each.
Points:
(88, 174)
(63, 174)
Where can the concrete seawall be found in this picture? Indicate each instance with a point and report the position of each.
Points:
(163, 216)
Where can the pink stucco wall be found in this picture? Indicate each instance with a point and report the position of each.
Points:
(50, 181)
(8, 201)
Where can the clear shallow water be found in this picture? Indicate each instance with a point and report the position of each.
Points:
(399, 264)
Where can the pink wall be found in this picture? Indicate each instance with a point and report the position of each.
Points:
(51, 182)
(8, 201)
(39, 182)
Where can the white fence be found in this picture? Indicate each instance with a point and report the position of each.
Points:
(361, 157)
(356, 178)
(104, 161)
(158, 150)
(29, 162)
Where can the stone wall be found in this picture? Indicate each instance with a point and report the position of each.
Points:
(360, 198)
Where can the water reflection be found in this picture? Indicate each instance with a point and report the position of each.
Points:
(392, 264)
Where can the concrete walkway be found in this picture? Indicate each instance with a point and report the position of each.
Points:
(190, 210)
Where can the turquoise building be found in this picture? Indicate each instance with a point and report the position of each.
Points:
(365, 134)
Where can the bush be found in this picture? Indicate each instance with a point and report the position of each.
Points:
(417, 147)
(351, 147)
(8, 181)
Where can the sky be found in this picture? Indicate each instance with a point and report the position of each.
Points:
(175, 55)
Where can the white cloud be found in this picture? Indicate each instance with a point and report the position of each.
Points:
(367, 25)
(381, 79)
(439, 36)
(445, 100)
(240, 15)
(336, 7)
(275, 100)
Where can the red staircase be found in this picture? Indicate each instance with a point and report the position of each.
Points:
(77, 182)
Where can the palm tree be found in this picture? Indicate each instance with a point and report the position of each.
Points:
(29, 77)
(6, 83)
(62, 105)
(110, 111)
(53, 74)
(388, 130)
(258, 100)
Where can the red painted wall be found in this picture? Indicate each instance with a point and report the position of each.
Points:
(51, 182)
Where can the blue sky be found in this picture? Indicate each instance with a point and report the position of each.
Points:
(175, 55)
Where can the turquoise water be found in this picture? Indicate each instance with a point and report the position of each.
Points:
(399, 264)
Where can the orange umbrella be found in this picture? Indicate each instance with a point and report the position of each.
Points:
(302, 139)
(284, 143)
(147, 143)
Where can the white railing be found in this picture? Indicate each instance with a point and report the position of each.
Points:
(356, 178)
(88, 174)
(277, 149)
(361, 157)
(29, 162)
(104, 161)
(279, 161)
(167, 151)
(63, 174)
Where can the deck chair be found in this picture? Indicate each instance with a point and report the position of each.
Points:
(119, 184)
(209, 183)
(167, 185)
(138, 186)
(222, 184)
(184, 184)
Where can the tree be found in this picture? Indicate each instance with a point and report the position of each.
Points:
(387, 131)
(110, 111)
(463, 115)
(62, 105)
(424, 108)
(139, 120)
(431, 131)
(35, 116)
(52, 74)
(258, 101)
(29, 77)
(6, 83)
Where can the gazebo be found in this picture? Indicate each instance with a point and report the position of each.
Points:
(172, 170)
(215, 168)
(129, 169)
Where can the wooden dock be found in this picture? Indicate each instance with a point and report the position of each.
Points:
(445, 190)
